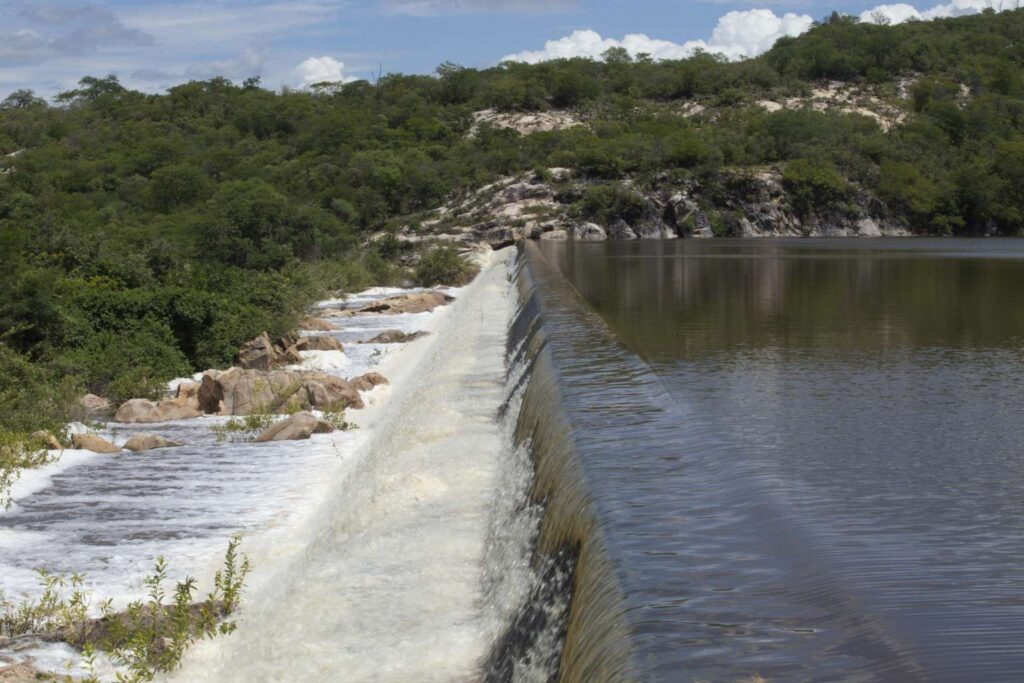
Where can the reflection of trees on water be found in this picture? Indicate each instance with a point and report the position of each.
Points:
(689, 296)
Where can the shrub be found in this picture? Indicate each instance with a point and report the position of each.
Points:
(443, 265)
(813, 185)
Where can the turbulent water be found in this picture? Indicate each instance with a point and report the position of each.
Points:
(802, 459)
(646, 461)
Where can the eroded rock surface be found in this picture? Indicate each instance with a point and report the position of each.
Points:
(395, 337)
(144, 410)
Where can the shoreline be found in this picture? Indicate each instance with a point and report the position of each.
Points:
(275, 538)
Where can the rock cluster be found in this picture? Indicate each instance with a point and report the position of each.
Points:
(242, 392)
(413, 302)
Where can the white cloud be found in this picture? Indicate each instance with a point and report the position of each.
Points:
(738, 34)
(901, 12)
(321, 69)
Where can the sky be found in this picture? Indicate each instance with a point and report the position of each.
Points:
(46, 46)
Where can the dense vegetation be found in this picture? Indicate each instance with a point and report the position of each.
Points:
(145, 236)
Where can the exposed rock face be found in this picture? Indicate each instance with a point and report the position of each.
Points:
(323, 343)
(414, 302)
(91, 442)
(729, 203)
(95, 406)
(243, 392)
(143, 410)
(46, 438)
(147, 442)
(317, 325)
(298, 426)
(525, 123)
(395, 337)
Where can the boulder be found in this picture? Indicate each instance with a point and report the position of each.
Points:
(242, 392)
(368, 381)
(257, 354)
(317, 325)
(395, 337)
(413, 302)
(147, 442)
(591, 232)
(323, 343)
(298, 426)
(94, 405)
(47, 438)
(143, 410)
(187, 395)
(327, 392)
(620, 230)
(91, 442)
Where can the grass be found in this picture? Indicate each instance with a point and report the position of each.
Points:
(149, 637)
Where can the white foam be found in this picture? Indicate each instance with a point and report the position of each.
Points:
(32, 481)
(384, 580)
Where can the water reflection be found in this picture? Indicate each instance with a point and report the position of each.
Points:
(832, 490)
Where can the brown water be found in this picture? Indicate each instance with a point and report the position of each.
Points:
(822, 477)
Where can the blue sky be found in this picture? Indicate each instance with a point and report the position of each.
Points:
(152, 44)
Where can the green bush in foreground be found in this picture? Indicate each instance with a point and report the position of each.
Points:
(147, 638)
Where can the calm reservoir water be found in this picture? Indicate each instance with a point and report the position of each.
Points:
(833, 485)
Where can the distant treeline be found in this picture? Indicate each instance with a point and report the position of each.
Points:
(145, 236)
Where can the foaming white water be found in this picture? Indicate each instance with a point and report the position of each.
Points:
(386, 581)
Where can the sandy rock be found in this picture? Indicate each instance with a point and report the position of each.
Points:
(187, 395)
(327, 392)
(94, 405)
(323, 343)
(413, 302)
(147, 442)
(368, 381)
(91, 442)
(22, 672)
(47, 438)
(317, 325)
(395, 337)
(143, 410)
(867, 227)
(298, 426)
(257, 354)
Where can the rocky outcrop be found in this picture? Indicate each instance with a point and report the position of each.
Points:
(728, 203)
(413, 302)
(322, 343)
(262, 353)
(298, 426)
(91, 442)
(47, 439)
(144, 410)
(243, 392)
(525, 123)
(148, 442)
(395, 337)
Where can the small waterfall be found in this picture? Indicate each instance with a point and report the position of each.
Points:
(571, 627)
